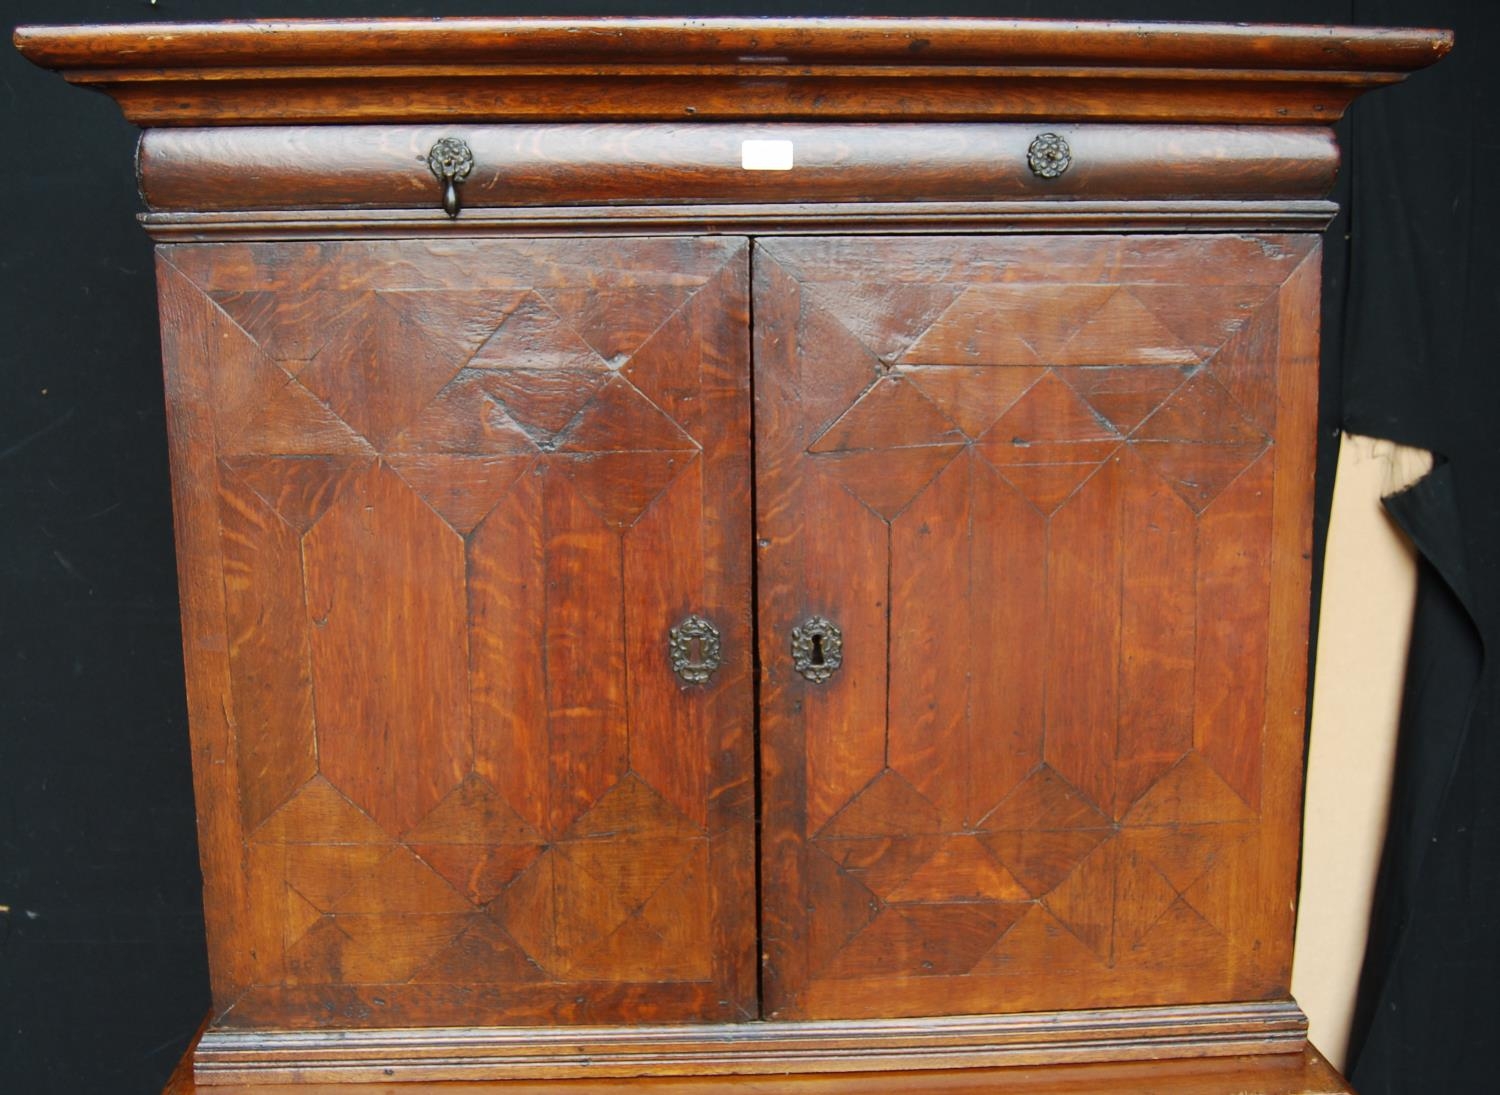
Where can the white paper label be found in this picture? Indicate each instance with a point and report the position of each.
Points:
(766, 155)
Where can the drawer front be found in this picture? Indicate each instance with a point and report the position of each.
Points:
(1052, 497)
(441, 505)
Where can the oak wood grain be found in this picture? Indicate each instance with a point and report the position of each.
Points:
(533, 69)
(776, 218)
(274, 167)
(1270, 1029)
(459, 780)
(1086, 827)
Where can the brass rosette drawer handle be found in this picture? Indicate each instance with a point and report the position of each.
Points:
(450, 160)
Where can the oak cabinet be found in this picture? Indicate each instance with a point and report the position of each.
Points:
(796, 568)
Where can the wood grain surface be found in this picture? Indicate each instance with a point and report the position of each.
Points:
(291, 167)
(440, 505)
(1054, 492)
(294, 71)
(1303, 1073)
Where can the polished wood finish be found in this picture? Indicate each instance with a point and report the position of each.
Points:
(264, 167)
(1041, 448)
(1302, 1073)
(293, 71)
(1069, 510)
(751, 1048)
(814, 219)
(401, 469)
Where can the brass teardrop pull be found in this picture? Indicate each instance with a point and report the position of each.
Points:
(695, 650)
(450, 161)
(817, 648)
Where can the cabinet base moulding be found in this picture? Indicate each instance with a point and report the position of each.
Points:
(871, 1045)
(1303, 1072)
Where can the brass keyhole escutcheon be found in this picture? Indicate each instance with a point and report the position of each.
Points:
(695, 650)
(817, 648)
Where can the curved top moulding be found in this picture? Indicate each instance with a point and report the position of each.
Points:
(341, 71)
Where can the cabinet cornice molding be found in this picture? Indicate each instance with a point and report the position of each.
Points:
(406, 70)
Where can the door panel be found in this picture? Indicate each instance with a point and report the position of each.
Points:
(1054, 493)
(464, 491)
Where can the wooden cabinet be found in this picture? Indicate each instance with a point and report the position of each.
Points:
(803, 567)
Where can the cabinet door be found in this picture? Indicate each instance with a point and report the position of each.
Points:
(440, 505)
(1055, 495)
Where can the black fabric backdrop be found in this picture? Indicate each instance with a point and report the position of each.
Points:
(102, 971)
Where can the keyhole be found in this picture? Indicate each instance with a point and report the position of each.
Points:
(817, 650)
(695, 650)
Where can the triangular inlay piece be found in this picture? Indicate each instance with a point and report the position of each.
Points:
(586, 910)
(1198, 472)
(843, 907)
(301, 915)
(1201, 412)
(456, 322)
(885, 316)
(400, 884)
(462, 489)
(384, 369)
(1124, 394)
(299, 488)
(1037, 942)
(528, 909)
(482, 955)
(1185, 853)
(1142, 894)
(616, 322)
(632, 809)
(320, 814)
(974, 397)
(1203, 316)
(620, 418)
(1014, 324)
(1085, 901)
(632, 952)
(472, 813)
(1123, 331)
(888, 805)
(1041, 859)
(466, 418)
(1045, 801)
(1047, 486)
(1050, 413)
(925, 940)
(291, 327)
(322, 873)
(960, 871)
(620, 486)
(536, 339)
(888, 481)
(881, 863)
(1190, 793)
(1246, 366)
(893, 414)
(478, 871)
(370, 950)
(293, 421)
(1180, 930)
(543, 401)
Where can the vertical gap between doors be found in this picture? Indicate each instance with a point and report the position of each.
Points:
(755, 662)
